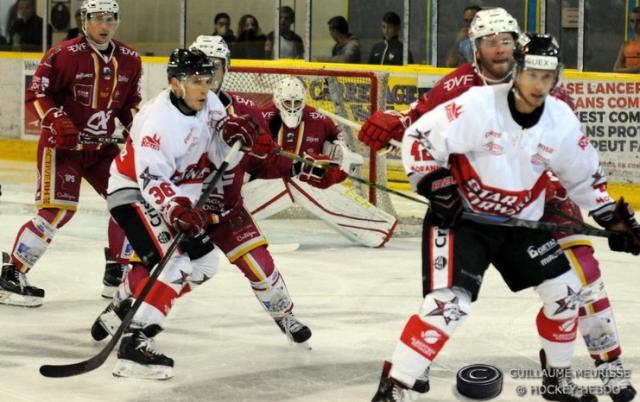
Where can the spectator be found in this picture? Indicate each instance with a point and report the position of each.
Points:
(222, 27)
(26, 31)
(291, 45)
(77, 31)
(628, 60)
(250, 41)
(461, 51)
(347, 47)
(389, 51)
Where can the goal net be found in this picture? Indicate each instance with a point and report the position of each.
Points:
(353, 95)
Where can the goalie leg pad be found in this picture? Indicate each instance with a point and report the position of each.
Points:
(265, 198)
(346, 212)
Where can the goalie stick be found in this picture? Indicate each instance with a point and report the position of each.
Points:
(476, 217)
(68, 370)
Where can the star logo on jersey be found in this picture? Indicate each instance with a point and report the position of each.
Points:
(449, 310)
(203, 280)
(147, 177)
(182, 279)
(453, 111)
(583, 142)
(599, 180)
(570, 302)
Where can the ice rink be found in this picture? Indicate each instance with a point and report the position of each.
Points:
(226, 348)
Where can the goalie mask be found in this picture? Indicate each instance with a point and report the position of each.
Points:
(289, 99)
(216, 49)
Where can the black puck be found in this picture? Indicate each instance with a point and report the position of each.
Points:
(479, 381)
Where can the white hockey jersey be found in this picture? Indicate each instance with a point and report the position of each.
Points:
(167, 153)
(499, 165)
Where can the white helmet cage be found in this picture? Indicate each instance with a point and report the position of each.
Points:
(99, 6)
(288, 96)
(491, 22)
(214, 46)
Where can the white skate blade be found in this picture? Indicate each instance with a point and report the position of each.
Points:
(15, 299)
(110, 322)
(283, 247)
(128, 368)
(108, 291)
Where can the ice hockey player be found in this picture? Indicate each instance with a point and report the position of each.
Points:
(302, 130)
(250, 254)
(80, 86)
(493, 32)
(154, 185)
(487, 151)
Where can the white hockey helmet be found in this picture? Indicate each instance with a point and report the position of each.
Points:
(99, 6)
(288, 96)
(491, 22)
(213, 46)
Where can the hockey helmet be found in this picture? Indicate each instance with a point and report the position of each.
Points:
(537, 51)
(184, 62)
(99, 6)
(491, 22)
(288, 96)
(213, 46)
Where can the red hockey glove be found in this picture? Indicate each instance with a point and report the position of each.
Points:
(184, 218)
(383, 126)
(620, 217)
(61, 126)
(263, 145)
(239, 128)
(554, 191)
(441, 189)
(323, 174)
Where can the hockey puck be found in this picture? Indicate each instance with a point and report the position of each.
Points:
(479, 381)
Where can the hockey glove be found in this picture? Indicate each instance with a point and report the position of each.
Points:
(239, 128)
(383, 126)
(323, 174)
(619, 217)
(441, 189)
(263, 145)
(184, 218)
(65, 132)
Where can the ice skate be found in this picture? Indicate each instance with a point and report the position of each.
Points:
(15, 290)
(113, 273)
(110, 319)
(295, 331)
(390, 390)
(616, 380)
(558, 385)
(138, 358)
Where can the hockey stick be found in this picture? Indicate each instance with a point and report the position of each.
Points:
(476, 217)
(352, 124)
(91, 139)
(68, 370)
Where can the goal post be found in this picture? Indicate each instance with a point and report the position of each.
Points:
(351, 94)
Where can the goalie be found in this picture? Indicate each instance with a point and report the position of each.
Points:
(298, 128)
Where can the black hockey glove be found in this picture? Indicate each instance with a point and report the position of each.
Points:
(619, 217)
(441, 189)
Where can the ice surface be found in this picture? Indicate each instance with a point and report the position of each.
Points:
(356, 301)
